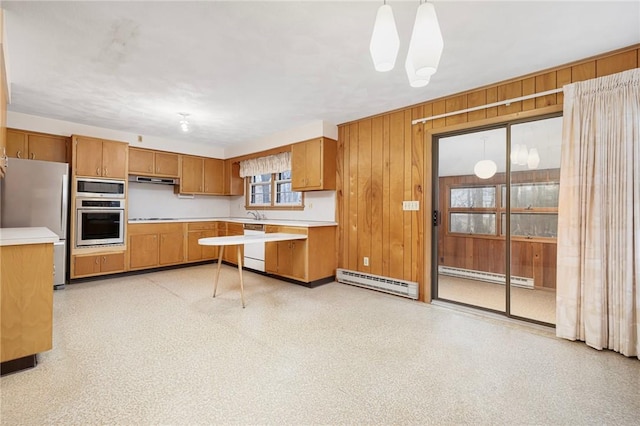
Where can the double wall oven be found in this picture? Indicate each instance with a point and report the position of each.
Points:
(100, 212)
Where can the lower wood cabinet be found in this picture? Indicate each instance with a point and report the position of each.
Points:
(303, 260)
(97, 264)
(155, 244)
(26, 314)
(231, 252)
(195, 231)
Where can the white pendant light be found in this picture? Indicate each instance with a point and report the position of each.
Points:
(533, 160)
(485, 169)
(425, 47)
(514, 153)
(414, 79)
(184, 124)
(523, 155)
(385, 42)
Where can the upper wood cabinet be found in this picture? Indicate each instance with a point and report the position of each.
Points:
(37, 146)
(153, 163)
(99, 158)
(201, 175)
(313, 165)
(233, 183)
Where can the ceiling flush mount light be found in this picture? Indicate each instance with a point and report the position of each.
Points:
(485, 169)
(184, 124)
(425, 47)
(385, 42)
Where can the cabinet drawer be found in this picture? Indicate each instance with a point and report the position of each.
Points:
(201, 226)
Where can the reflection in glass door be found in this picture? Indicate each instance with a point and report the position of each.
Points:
(496, 236)
(471, 254)
(535, 185)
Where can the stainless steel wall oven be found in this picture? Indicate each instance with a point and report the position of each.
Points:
(99, 222)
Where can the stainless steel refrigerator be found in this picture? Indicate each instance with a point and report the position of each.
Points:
(35, 193)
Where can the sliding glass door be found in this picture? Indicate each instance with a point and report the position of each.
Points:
(496, 192)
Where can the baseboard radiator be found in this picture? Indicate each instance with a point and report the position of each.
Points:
(484, 276)
(376, 282)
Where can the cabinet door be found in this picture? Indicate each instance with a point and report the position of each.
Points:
(192, 169)
(88, 158)
(114, 159)
(194, 250)
(171, 248)
(140, 161)
(16, 144)
(143, 251)
(313, 163)
(48, 148)
(167, 164)
(298, 165)
(285, 259)
(233, 183)
(112, 262)
(213, 176)
(86, 265)
(209, 252)
(299, 259)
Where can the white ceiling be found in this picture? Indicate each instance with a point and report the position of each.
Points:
(246, 70)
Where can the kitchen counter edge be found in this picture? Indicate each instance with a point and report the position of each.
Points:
(24, 236)
(282, 222)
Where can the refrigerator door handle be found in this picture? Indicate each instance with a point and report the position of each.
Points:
(64, 204)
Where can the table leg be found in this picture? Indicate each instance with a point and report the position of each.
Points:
(240, 272)
(215, 285)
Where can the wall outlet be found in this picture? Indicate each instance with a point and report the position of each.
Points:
(410, 205)
(365, 261)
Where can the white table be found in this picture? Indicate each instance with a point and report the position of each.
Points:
(240, 240)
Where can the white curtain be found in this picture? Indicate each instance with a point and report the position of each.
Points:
(598, 299)
(277, 163)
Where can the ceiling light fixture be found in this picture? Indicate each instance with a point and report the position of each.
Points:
(425, 47)
(184, 124)
(485, 169)
(385, 42)
(522, 156)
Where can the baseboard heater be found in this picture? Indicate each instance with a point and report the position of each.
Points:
(376, 282)
(485, 276)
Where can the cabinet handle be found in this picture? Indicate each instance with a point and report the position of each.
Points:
(18, 154)
(33, 155)
(106, 172)
(104, 259)
(97, 260)
(98, 171)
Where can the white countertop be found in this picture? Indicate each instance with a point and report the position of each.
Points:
(234, 240)
(300, 223)
(22, 236)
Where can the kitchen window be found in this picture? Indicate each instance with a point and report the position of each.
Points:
(273, 190)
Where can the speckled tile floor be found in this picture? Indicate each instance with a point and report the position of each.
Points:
(157, 349)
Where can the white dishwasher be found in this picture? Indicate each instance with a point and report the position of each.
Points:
(254, 253)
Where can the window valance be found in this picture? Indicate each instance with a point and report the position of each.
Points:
(263, 165)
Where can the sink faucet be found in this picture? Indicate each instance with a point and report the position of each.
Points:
(255, 214)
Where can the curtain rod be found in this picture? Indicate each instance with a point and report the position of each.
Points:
(505, 102)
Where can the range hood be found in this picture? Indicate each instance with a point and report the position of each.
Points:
(156, 180)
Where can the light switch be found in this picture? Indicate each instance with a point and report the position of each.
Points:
(410, 205)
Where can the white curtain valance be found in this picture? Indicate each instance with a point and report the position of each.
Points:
(277, 163)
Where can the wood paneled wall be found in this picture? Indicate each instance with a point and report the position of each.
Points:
(384, 160)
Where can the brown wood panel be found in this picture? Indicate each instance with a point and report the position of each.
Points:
(143, 251)
(213, 176)
(492, 97)
(563, 77)
(341, 200)
(86, 265)
(140, 160)
(546, 82)
(167, 164)
(510, 91)
(353, 230)
(617, 63)
(17, 144)
(454, 104)
(364, 195)
(396, 184)
(474, 99)
(585, 71)
(438, 108)
(192, 174)
(408, 195)
(377, 134)
(87, 159)
(112, 262)
(550, 265)
(417, 181)
(114, 159)
(386, 196)
(528, 88)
